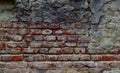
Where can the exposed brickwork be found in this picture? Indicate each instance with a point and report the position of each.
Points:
(45, 49)
(75, 45)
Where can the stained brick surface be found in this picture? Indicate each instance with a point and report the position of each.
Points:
(62, 36)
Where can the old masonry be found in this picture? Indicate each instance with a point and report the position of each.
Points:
(59, 36)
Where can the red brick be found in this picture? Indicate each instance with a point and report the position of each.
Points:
(108, 58)
(3, 45)
(17, 58)
(68, 32)
(55, 26)
(42, 26)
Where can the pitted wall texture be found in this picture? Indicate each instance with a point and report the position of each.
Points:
(61, 36)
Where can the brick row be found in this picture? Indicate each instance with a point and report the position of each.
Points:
(43, 57)
(21, 48)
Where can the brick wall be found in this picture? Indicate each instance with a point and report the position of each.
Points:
(75, 37)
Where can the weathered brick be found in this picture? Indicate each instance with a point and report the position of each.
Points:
(74, 58)
(2, 31)
(96, 57)
(116, 44)
(72, 38)
(3, 51)
(16, 31)
(58, 32)
(54, 50)
(30, 50)
(28, 38)
(70, 44)
(36, 44)
(58, 44)
(80, 31)
(11, 65)
(85, 57)
(53, 57)
(23, 44)
(114, 51)
(14, 50)
(46, 44)
(63, 58)
(4, 38)
(82, 44)
(84, 38)
(5, 58)
(12, 71)
(35, 31)
(47, 31)
(38, 37)
(55, 26)
(41, 57)
(61, 38)
(2, 65)
(114, 64)
(7, 24)
(41, 26)
(44, 50)
(28, 58)
(16, 38)
(50, 38)
(66, 50)
(11, 44)
(103, 64)
(79, 50)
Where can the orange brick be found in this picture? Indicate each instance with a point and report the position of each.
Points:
(17, 58)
